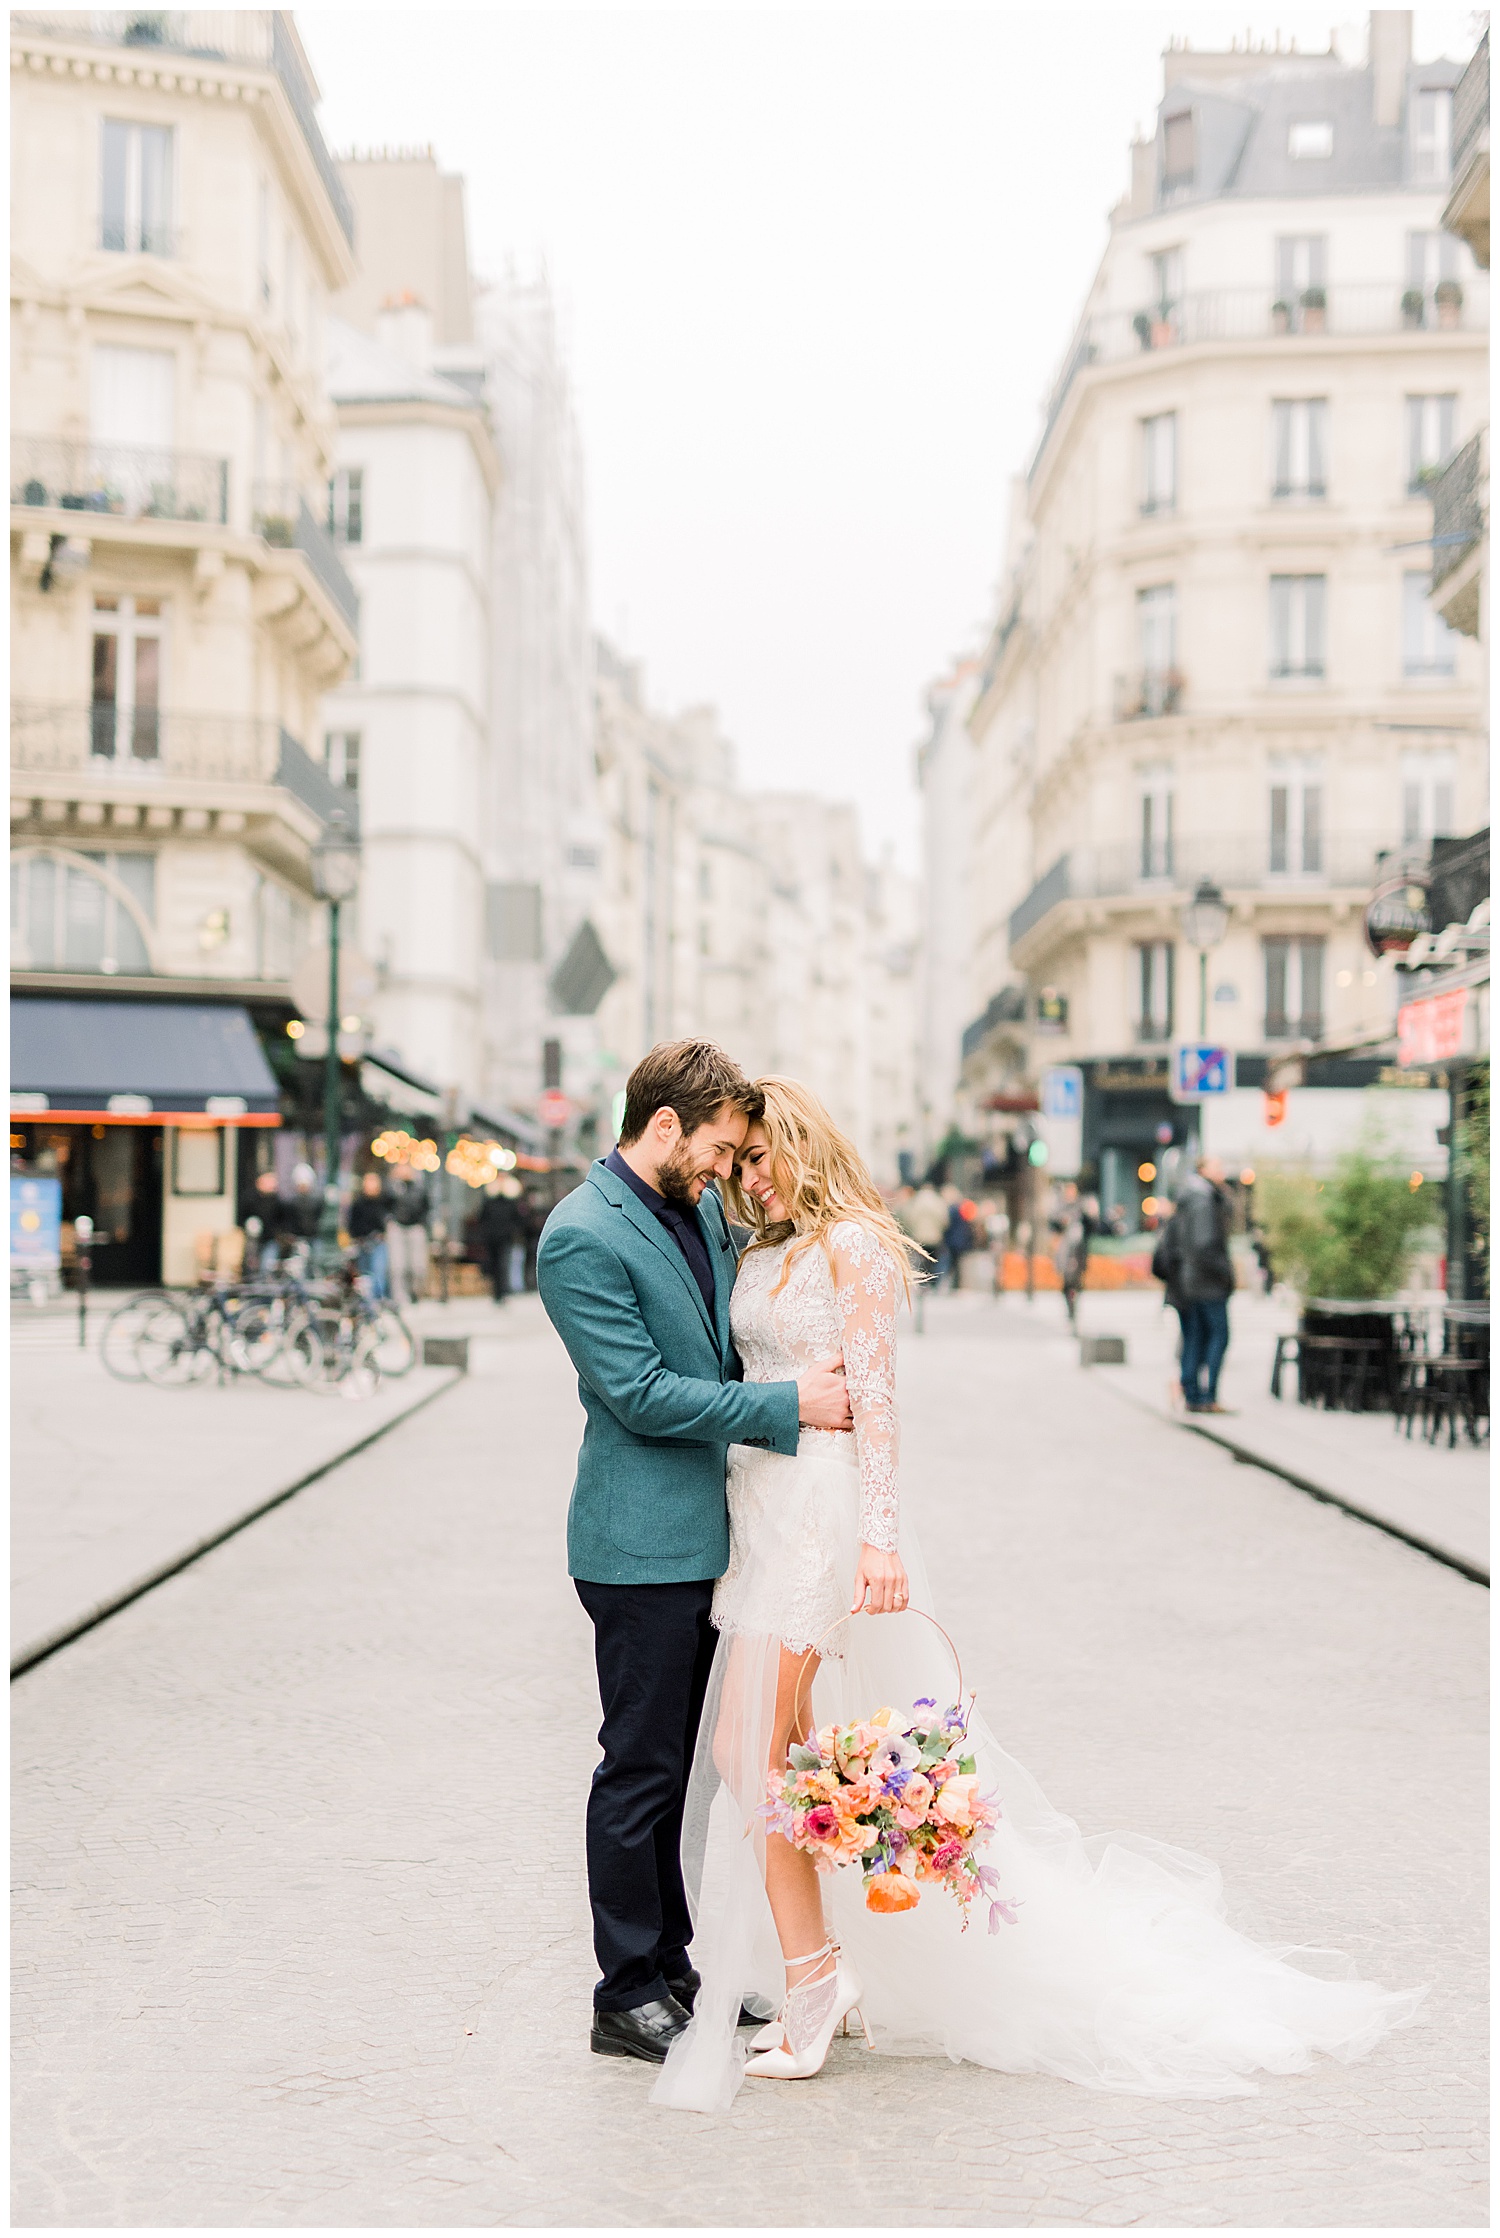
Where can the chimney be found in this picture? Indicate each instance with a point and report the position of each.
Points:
(1390, 53)
(403, 325)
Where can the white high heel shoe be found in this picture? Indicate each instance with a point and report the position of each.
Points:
(794, 2046)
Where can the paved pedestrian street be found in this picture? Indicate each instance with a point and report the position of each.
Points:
(302, 1936)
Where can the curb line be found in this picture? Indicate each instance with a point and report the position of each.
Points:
(63, 1635)
(1252, 1459)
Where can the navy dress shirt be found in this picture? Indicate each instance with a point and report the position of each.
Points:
(680, 1224)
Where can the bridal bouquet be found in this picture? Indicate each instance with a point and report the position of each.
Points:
(899, 1797)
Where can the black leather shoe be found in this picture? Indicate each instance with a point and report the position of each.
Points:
(645, 2032)
(686, 1989)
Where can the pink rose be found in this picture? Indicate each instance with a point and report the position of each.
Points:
(820, 1824)
(956, 1800)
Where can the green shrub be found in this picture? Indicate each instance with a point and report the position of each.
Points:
(1351, 1236)
(1474, 1155)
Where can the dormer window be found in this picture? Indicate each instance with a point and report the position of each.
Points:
(1432, 137)
(1179, 154)
(1310, 142)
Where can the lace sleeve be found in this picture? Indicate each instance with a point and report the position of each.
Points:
(867, 1287)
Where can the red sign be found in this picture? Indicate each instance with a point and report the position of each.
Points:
(553, 1108)
(1432, 1028)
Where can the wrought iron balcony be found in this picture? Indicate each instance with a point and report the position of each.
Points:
(1259, 315)
(48, 737)
(1147, 693)
(280, 515)
(155, 745)
(1237, 862)
(122, 479)
(1458, 508)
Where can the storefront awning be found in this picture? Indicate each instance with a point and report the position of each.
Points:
(387, 1082)
(138, 1063)
(501, 1121)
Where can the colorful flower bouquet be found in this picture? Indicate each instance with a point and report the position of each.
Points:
(898, 1796)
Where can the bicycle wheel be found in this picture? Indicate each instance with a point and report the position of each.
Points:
(170, 1347)
(303, 1352)
(357, 1362)
(117, 1345)
(255, 1337)
(395, 1346)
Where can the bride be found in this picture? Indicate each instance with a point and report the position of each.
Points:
(1118, 1969)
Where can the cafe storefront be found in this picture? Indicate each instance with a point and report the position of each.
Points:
(137, 1110)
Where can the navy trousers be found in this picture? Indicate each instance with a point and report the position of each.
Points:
(653, 1649)
(1205, 1340)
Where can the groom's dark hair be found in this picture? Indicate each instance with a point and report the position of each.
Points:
(693, 1078)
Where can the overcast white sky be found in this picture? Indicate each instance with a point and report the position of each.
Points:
(817, 266)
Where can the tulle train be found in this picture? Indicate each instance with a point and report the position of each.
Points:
(1121, 1973)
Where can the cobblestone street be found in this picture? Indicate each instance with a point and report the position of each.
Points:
(302, 1936)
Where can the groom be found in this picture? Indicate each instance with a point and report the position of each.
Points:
(635, 1270)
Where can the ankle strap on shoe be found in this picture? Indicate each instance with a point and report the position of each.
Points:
(807, 1959)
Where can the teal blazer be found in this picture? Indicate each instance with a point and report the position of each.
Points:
(661, 1386)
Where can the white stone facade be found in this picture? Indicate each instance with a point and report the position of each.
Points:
(1214, 657)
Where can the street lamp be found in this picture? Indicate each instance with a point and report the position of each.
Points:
(335, 876)
(1205, 920)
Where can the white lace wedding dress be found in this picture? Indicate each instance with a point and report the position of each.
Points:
(1121, 1972)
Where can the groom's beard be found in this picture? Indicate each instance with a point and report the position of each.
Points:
(675, 1177)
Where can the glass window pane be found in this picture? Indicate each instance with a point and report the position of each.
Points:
(1313, 592)
(1278, 827)
(1317, 424)
(106, 667)
(83, 926)
(41, 912)
(1312, 827)
(1312, 987)
(137, 874)
(156, 189)
(114, 148)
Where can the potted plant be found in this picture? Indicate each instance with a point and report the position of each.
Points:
(1171, 690)
(1314, 310)
(1449, 298)
(1413, 307)
(1347, 1244)
(1281, 317)
(1163, 328)
(1142, 326)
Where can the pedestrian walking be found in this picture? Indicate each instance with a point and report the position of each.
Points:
(365, 1225)
(958, 1237)
(406, 1236)
(1073, 1251)
(1193, 1260)
(925, 1218)
(498, 1229)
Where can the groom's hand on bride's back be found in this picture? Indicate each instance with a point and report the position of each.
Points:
(823, 1396)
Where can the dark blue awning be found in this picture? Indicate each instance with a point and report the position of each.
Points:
(135, 1060)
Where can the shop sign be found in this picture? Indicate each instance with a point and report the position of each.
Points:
(1144, 1076)
(553, 1108)
(1051, 1011)
(1062, 1119)
(1432, 1027)
(36, 1223)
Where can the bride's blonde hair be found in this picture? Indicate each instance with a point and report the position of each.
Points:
(819, 1176)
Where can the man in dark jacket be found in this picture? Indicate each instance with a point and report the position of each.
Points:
(1193, 1260)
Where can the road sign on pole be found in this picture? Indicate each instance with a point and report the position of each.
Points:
(1199, 1070)
(1062, 1120)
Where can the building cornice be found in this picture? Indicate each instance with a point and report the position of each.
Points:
(416, 411)
(1290, 355)
(209, 79)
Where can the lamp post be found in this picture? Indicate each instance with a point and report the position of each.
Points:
(1205, 921)
(335, 873)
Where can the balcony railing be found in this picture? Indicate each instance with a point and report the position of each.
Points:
(1471, 106)
(132, 483)
(1458, 508)
(1147, 693)
(1260, 314)
(255, 35)
(48, 738)
(1237, 862)
(281, 516)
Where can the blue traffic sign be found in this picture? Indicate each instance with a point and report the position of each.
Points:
(1062, 1092)
(1199, 1070)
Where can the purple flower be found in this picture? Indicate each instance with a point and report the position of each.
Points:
(1002, 1909)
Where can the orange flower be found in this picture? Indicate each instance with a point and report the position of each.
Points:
(957, 1802)
(891, 1892)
